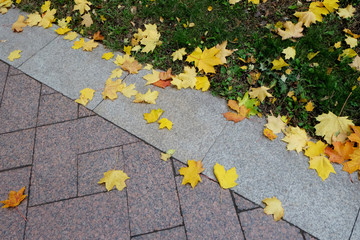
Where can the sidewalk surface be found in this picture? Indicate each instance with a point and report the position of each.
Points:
(59, 150)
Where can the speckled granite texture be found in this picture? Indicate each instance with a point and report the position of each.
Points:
(59, 151)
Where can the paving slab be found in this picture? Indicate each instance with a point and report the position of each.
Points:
(55, 108)
(84, 112)
(16, 148)
(356, 231)
(4, 69)
(19, 105)
(266, 169)
(99, 216)
(14, 71)
(93, 165)
(46, 90)
(11, 222)
(258, 225)
(177, 233)
(243, 204)
(208, 201)
(37, 36)
(195, 124)
(152, 197)
(69, 71)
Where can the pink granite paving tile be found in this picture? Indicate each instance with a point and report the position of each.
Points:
(95, 133)
(257, 225)
(14, 71)
(152, 196)
(11, 223)
(208, 211)
(4, 68)
(16, 148)
(54, 169)
(84, 112)
(56, 108)
(243, 204)
(19, 104)
(99, 216)
(46, 90)
(309, 237)
(91, 168)
(177, 233)
(177, 166)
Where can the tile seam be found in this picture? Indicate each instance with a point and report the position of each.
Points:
(155, 231)
(352, 230)
(6, 78)
(236, 212)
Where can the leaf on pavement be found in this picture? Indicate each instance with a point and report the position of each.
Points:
(315, 149)
(14, 55)
(19, 24)
(192, 172)
(273, 206)
(85, 95)
(153, 116)
(148, 97)
(226, 178)
(15, 198)
(115, 178)
(165, 123)
(322, 165)
(296, 139)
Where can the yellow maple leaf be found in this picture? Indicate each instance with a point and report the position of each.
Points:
(337, 44)
(47, 19)
(178, 54)
(318, 9)
(127, 50)
(129, 91)
(233, 1)
(71, 36)
(86, 20)
(15, 198)
(90, 45)
(14, 55)
(278, 64)
(114, 178)
(307, 18)
(309, 106)
(331, 5)
(296, 139)
(111, 88)
(226, 178)
(291, 30)
(289, 53)
(269, 134)
(116, 73)
(167, 155)
(349, 52)
(33, 19)
(348, 31)
(19, 24)
(330, 124)
(186, 79)
(165, 123)
(192, 172)
(347, 12)
(352, 42)
(273, 206)
(223, 53)
(276, 124)
(62, 23)
(355, 64)
(82, 6)
(120, 60)
(152, 78)
(151, 38)
(148, 97)
(108, 56)
(261, 93)
(311, 55)
(5, 3)
(315, 149)
(132, 67)
(322, 166)
(354, 164)
(45, 6)
(202, 83)
(153, 116)
(205, 60)
(85, 95)
(62, 31)
(256, 2)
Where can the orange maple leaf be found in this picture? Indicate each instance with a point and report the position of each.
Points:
(162, 83)
(354, 164)
(340, 152)
(355, 137)
(15, 198)
(166, 75)
(242, 112)
(98, 37)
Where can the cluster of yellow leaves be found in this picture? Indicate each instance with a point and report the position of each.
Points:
(150, 38)
(86, 95)
(128, 63)
(154, 115)
(4, 5)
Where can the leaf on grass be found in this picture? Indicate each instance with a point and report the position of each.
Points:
(355, 137)
(289, 53)
(347, 12)
(315, 149)
(192, 172)
(98, 37)
(318, 9)
(273, 206)
(205, 60)
(114, 178)
(165, 123)
(260, 93)
(291, 30)
(296, 139)
(330, 124)
(45, 6)
(19, 24)
(82, 6)
(341, 152)
(85, 95)
(352, 42)
(355, 63)
(278, 64)
(202, 83)
(223, 53)
(331, 5)
(14, 55)
(148, 97)
(178, 54)
(153, 116)
(309, 106)
(15, 198)
(47, 19)
(307, 18)
(226, 178)
(322, 166)
(311, 55)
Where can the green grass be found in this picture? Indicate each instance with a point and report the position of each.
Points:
(250, 30)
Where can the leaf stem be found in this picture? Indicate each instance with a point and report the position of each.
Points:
(21, 214)
(345, 103)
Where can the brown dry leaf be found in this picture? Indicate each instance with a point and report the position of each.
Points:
(131, 67)
(98, 37)
(19, 24)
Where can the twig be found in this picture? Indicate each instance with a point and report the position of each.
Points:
(21, 214)
(345, 103)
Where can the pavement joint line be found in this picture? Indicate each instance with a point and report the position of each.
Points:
(352, 230)
(155, 231)
(180, 208)
(3, 91)
(15, 168)
(237, 213)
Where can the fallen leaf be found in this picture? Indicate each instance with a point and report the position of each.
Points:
(178, 54)
(111, 89)
(331, 5)
(278, 64)
(116, 73)
(318, 9)
(276, 124)
(132, 67)
(47, 19)
(354, 164)
(62, 31)
(226, 178)
(127, 50)
(348, 31)
(82, 6)
(98, 37)
(315, 149)
(340, 153)
(19, 24)
(330, 124)
(90, 45)
(33, 19)
(269, 134)
(309, 106)
(45, 6)
(291, 30)
(355, 137)
(260, 93)
(15, 198)
(79, 44)
(162, 84)
(153, 116)
(165, 123)
(186, 79)
(289, 53)
(356, 63)
(202, 83)
(249, 104)
(307, 18)
(311, 55)
(352, 42)
(114, 178)
(86, 20)
(166, 75)
(273, 206)
(223, 53)
(122, 59)
(347, 12)
(322, 166)
(108, 56)
(85, 95)
(205, 60)
(71, 36)
(14, 55)
(296, 139)
(129, 91)
(167, 155)
(152, 78)
(192, 172)
(148, 97)
(242, 112)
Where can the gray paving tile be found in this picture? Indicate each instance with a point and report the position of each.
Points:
(91, 168)
(16, 148)
(71, 70)
(152, 196)
(257, 225)
(356, 232)
(195, 124)
(266, 169)
(11, 222)
(37, 36)
(100, 216)
(19, 104)
(55, 108)
(208, 211)
(177, 233)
